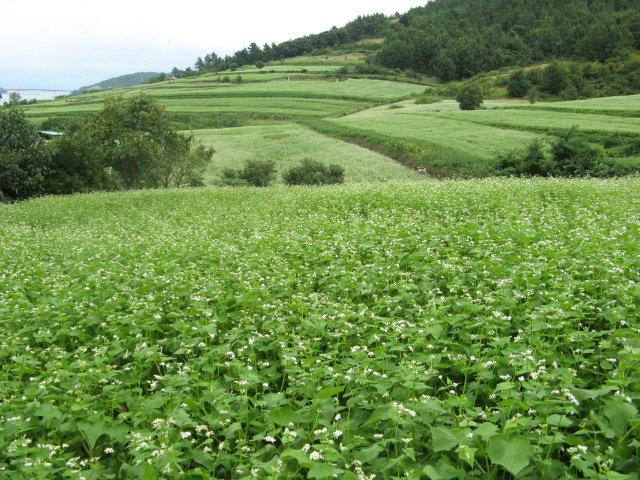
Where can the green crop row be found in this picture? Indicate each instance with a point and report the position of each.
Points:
(546, 120)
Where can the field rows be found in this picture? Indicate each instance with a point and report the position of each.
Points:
(481, 141)
(545, 121)
(621, 105)
(286, 106)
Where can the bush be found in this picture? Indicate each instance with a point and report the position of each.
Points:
(574, 156)
(469, 97)
(532, 161)
(312, 172)
(570, 156)
(259, 173)
(427, 99)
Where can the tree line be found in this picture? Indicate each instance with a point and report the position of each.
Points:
(457, 39)
(363, 27)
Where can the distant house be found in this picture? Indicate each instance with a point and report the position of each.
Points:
(95, 88)
(173, 79)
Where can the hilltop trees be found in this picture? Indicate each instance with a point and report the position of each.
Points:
(24, 159)
(488, 34)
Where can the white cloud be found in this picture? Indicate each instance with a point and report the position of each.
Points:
(68, 44)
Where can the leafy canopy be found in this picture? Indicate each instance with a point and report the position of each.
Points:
(470, 97)
(24, 159)
(133, 138)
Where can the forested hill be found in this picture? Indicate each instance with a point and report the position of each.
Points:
(455, 39)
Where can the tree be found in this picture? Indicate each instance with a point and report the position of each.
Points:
(443, 67)
(14, 97)
(24, 158)
(182, 162)
(77, 164)
(469, 97)
(554, 78)
(137, 141)
(518, 85)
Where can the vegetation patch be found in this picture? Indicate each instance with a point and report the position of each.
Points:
(295, 142)
(468, 329)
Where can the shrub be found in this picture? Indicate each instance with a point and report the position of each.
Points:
(259, 173)
(312, 172)
(427, 99)
(571, 155)
(531, 161)
(469, 97)
(574, 156)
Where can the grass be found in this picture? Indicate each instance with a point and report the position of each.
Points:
(288, 144)
(458, 329)
(548, 121)
(483, 142)
(285, 106)
(619, 105)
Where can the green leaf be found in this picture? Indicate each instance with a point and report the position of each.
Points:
(150, 473)
(619, 413)
(556, 420)
(377, 416)
(486, 430)
(366, 455)
(467, 454)
(282, 416)
(329, 392)
(48, 411)
(431, 472)
(93, 431)
(510, 452)
(299, 455)
(153, 404)
(322, 470)
(443, 439)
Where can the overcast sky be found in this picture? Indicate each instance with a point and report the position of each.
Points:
(68, 44)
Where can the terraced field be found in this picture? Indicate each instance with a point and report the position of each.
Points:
(380, 114)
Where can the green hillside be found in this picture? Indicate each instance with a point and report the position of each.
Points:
(128, 80)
